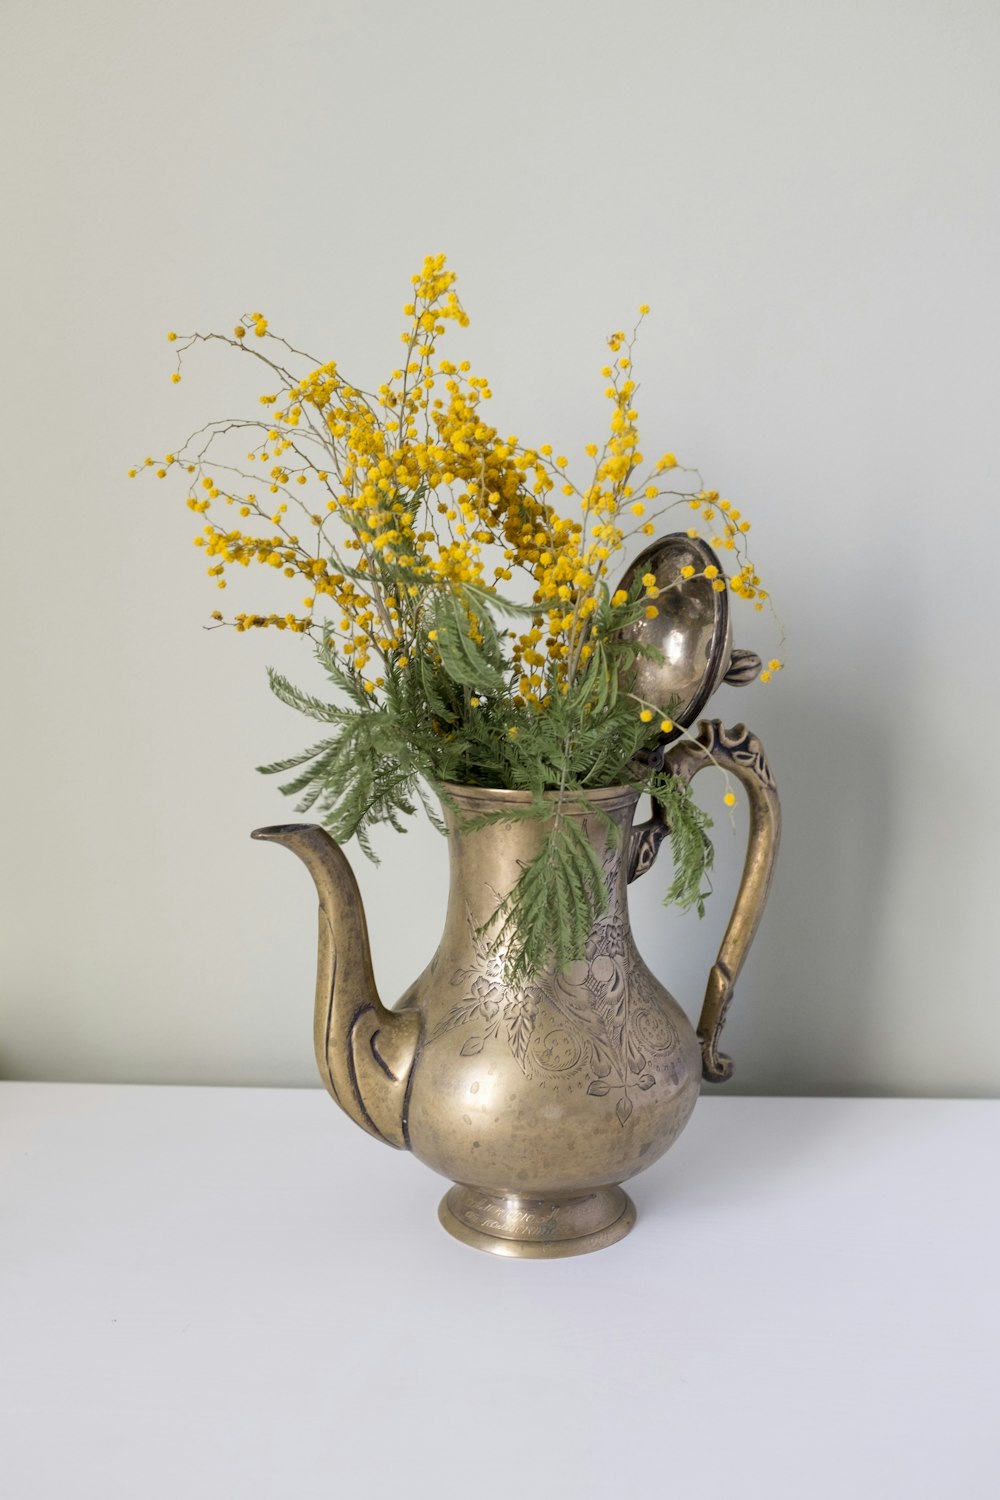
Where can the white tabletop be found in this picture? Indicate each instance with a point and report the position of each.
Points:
(233, 1293)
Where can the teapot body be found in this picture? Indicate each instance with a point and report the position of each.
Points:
(537, 1098)
(547, 1091)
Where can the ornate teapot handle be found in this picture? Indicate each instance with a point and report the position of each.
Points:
(741, 753)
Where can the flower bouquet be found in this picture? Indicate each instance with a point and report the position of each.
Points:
(463, 595)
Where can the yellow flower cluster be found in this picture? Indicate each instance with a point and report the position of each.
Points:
(407, 489)
(573, 562)
(731, 530)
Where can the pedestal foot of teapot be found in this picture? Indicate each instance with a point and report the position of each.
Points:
(533, 1228)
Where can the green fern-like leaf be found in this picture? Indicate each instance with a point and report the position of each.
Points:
(690, 845)
(468, 662)
(304, 702)
(546, 918)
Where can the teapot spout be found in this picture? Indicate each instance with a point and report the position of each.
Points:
(364, 1051)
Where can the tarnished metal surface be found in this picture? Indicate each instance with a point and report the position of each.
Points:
(741, 753)
(537, 1100)
(692, 632)
(363, 1051)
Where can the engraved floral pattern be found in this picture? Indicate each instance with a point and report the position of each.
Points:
(493, 1004)
(598, 1018)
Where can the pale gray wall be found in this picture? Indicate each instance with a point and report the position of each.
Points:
(806, 193)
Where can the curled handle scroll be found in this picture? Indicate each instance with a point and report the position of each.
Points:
(739, 752)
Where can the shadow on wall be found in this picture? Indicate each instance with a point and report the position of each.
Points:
(806, 1007)
(37, 1028)
(811, 990)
